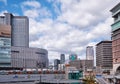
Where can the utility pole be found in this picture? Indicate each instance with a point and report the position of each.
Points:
(41, 66)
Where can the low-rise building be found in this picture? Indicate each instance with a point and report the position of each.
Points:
(23, 57)
(82, 64)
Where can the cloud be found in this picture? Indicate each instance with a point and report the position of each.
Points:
(77, 25)
(33, 9)
(33, 4)
(2, 12)
(83, 13)
(4, 1)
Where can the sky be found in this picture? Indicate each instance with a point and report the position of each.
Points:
(64, 26)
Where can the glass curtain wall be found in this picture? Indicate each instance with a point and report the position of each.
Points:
(5, 52)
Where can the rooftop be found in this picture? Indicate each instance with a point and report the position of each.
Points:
(103, 42)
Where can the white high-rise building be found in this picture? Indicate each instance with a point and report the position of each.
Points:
(89, 53)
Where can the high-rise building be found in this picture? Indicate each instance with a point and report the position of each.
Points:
(89, 53)
(14, 44)
(116, 38)
(56, 63)
(5, 45)
(20, 29)
(62, 58)
(104, 55)
(73, 57)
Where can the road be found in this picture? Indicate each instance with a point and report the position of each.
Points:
(101, 81)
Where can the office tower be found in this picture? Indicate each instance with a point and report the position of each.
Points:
(56, 63)
(62, 58)
(72, 57)
(19, 29)
(14, 44)
(89, 53)
(116, 38)
(5, 45)
(104, 55)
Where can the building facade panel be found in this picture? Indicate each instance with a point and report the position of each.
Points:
(82, 64)
(20, 31)
(29, 57)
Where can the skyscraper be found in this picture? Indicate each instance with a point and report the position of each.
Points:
(104, 55)
(89, 53)
(73, 57)
(62, 58)
(116, 38)
(20, 29)
(56, 63)
(14, 44)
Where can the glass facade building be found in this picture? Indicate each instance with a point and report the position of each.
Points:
(14, 44)
(5, 52)
(5, 46)
(73, 57)
(14, 31)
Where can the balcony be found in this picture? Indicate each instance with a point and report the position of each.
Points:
(115, 26)
(115, 13)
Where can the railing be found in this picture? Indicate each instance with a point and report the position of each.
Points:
(31, 72)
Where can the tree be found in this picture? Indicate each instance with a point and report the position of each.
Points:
(89, 79)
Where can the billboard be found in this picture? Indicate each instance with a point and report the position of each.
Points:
(5, 30)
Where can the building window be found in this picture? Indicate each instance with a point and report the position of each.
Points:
(15, 51)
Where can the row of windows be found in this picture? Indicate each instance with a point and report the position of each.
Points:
(5, 51)
(5, 60)
(35, 52)
(40, 53)
(116, 42)
(116, 48)
(117, 36)
(2, 20)
(116, 54)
